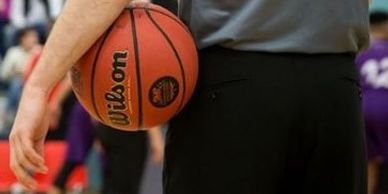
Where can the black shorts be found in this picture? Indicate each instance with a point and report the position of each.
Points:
(262, 123)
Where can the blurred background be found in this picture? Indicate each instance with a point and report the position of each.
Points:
(24, 26)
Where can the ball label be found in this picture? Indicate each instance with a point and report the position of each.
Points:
(115, 98)
(164, 91)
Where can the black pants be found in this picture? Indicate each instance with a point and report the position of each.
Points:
(171, 5)
(125, 154)
(125, 159)
(262, 123)
(64, 173)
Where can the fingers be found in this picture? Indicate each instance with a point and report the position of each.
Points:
(24, 161)
(33, 156)
(21, 174)
(27, 157)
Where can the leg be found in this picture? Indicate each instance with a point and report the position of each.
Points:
(59, 185)
(373, 176)
(79, 140)
(125, 158)
(375, 128)
(264, 123)
(336, 156)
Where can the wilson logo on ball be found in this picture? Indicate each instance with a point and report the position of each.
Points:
(164, 91)
(115, 98)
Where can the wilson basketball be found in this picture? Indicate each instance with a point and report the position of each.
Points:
(141, 72)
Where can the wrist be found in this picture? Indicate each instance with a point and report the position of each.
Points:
(37, 81)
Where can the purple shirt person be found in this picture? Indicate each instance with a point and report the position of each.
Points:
(372, 65)
(373, 68)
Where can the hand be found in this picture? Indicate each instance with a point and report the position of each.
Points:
(27, 137)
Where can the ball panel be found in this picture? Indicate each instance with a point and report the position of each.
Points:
(186, 49)
(157, 61)
(81, 77)
(163, 11)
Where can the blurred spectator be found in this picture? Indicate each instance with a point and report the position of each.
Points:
(4, 18)
(35, 13)
(55, 8)
(17, 56)
(12, 69)
(373, 68)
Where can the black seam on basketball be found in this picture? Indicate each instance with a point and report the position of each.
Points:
(138, 73)
(176, 55)
(94, 73)
(157, 11)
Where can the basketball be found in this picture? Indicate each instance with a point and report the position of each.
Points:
(141, 71)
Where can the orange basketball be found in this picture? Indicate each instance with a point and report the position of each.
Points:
(141, 72)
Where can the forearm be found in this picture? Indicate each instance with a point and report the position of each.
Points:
(77, 28)
(63, 91)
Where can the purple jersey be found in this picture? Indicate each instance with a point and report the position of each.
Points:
(372, 65)
(373, 68)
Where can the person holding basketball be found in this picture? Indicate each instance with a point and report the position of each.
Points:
(276, 110)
